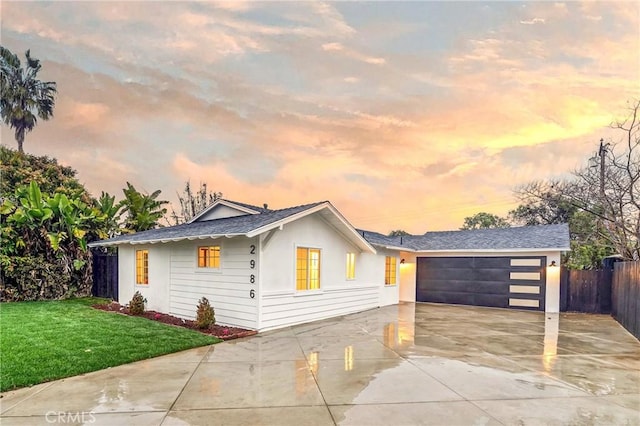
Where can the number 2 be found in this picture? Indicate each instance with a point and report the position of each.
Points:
(253, 249)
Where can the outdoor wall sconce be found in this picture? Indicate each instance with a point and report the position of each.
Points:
(553, 263)
(402, 261)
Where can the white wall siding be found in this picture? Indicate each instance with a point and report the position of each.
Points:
(283, 305)
(157, 291)
(286, 309)
(228, 288)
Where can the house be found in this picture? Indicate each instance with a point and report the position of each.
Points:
(264, 269)
(261, 269)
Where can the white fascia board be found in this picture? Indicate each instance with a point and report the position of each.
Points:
(223, 203)
(362, 244)
(286, 220)
(353, 231)
(280, 223)
(515, 250)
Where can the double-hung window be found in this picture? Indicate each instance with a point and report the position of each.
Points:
(142, 267)
(307, 268)
(390, 270)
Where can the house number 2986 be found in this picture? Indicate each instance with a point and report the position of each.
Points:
(252, 265)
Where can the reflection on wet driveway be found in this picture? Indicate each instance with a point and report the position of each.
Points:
(398, 365)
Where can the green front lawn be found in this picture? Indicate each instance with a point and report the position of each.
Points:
(43, 341)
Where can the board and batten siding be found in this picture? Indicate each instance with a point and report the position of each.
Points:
(229, 288)
(282, 305)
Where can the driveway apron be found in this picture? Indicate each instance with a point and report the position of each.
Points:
(407, 364)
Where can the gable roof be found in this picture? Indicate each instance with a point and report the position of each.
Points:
(240, 207)
(248, 225)
(523, 238)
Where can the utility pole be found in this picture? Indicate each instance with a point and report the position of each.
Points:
(601, 153)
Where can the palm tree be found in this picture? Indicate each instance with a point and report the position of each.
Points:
(24, 97)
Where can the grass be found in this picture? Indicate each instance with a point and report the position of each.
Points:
(43, 341)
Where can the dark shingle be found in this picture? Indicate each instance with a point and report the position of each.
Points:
(524, 237)
(237, 225)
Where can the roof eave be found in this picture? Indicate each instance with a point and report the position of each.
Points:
(224, 203)
(505, 250)
(164, 240)
(361, 242)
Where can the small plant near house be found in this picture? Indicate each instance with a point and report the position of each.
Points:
(136, 305)
(205, 316)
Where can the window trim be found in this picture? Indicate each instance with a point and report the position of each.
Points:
(351, 266)
(144, 269)
(208, 268)
(308, 270)
(390, 272)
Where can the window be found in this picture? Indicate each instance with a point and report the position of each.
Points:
(390, 271)
(209, 257)
(307, 268)
(142, 267)
(351, 266)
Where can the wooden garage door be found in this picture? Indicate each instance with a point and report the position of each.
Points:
(503, 282)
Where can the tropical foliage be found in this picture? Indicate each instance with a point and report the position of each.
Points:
(141, 211)
(44, 252)
(47, 218)
(24, 98)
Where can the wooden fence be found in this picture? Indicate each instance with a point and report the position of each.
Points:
(626, 296)
(586, 291)
(105, 275)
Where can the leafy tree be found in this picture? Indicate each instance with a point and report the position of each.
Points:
(110, 213)
(142, 211)
(19, 170)
(192, 203)
(44, 249)
(24, 98)
(611, 191)
(398, 233)
(601, 203)
(545, 203)
(484, 220)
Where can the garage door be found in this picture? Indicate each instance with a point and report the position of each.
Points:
(503, 282)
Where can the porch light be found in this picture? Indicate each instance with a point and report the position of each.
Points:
(402, 261)
(553, 264)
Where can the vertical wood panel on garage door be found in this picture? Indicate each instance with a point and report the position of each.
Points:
(503, 282)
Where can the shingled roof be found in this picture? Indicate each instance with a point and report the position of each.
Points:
(541, 237)
(231, 226)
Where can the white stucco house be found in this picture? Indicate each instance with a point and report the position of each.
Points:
(263, 269)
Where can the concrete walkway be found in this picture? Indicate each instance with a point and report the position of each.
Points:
(399, 365)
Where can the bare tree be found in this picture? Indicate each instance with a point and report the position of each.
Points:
(192, 203)
(611, 190)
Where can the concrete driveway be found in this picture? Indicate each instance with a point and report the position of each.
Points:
(400, 365)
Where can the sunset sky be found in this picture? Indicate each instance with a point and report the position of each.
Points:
(405, 115)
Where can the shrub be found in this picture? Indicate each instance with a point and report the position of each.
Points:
(36, 278)
(205, 316)
(136, 305)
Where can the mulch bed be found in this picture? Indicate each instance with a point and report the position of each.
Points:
(219, 331)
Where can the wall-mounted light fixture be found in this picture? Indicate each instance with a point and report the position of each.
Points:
(402, 261)
(553, 263)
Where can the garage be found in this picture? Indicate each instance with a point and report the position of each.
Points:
(502, 282)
